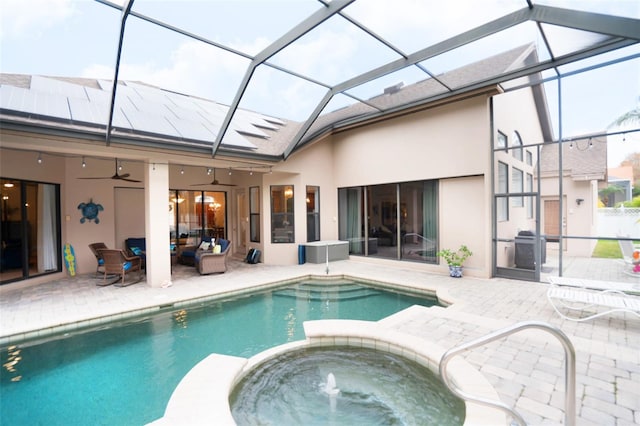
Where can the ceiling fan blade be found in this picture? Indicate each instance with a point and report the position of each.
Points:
(130, 180)
(104, 177)
(117, 176)
(214, 183)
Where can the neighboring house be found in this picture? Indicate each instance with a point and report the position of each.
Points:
(584, 166)
(407, 182)
(622, 177)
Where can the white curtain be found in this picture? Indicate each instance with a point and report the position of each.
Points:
(47, 219)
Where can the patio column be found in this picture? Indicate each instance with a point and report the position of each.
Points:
(157, 225)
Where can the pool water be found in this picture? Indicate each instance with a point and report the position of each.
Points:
(366, 387)
(125, 374)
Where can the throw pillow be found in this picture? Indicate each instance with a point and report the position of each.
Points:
(204, 245)
(136, 251)
(217, 249)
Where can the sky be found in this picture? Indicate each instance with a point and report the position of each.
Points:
(78, 38)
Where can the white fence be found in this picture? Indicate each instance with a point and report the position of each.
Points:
(614, 222)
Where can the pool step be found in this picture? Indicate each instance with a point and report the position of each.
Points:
(324, 292)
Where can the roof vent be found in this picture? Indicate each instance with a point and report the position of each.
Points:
(393, 89)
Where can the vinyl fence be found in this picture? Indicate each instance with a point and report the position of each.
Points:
(613, 222)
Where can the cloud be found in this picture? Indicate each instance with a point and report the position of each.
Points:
(20, 18)
(193, 68)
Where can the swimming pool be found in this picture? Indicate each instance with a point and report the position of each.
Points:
(125, 374)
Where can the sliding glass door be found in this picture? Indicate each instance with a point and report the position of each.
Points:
(30, 229)
(398, 221)
(194, 214)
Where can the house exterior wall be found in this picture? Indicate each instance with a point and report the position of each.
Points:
(73, 191)
(430, 144)
(449, 142)
(312, 166)
(578, 219)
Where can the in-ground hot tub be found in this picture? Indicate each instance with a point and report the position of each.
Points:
(343, 386)
(206, 393)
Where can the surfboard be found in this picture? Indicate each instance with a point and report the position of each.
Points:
(70, 259)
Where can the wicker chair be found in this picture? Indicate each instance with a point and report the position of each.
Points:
(208, 262)
(95, 249)
(116, 262)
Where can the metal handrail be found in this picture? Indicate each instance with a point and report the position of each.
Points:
(569, 364)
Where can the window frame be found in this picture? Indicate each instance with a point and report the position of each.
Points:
(254, 214)
(517, 186)
(502, 141)
(517, 149)
(313, 216)
(502, 203)
(282, 231)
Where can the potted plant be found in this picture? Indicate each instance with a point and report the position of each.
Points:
(455, 259)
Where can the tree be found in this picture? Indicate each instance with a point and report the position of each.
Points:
(629, 117)
(605, 193)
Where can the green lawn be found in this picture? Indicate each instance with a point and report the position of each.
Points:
(607, 249)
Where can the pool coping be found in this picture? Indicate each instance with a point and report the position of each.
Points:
(33, 335)
(202, 396)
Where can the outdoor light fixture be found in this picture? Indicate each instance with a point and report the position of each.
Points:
(251, 171)
(182, 171)
(120, 166)
(39, 160)
(579, 201)
(84, 163)
(209, 171)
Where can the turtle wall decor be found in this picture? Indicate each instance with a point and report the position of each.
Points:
(90, 211)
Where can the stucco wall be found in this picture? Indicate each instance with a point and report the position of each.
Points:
(451, 140)
(73, 191)
(312, 166)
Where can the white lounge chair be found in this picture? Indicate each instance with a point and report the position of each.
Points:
(627, 248)
(576, 300)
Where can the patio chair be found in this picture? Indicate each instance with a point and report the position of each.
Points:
(117, 262)
(575, 301)
(95, 249)
(208, 262)
(627, 248)
(187, 255)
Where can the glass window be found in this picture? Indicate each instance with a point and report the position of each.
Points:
(502, 140)
(195, 214)
(313, 213)
(418, 221)
(503, 188)
(517, 180)
(385, 220)
(351, 223)
(530, 200)
(211, 208)
(529, 158)
(517, 146)
(282, 229)
(31, 241)
(254, 214)
(400, 220)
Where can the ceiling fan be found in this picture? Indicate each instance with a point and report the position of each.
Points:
(214, 182)
(116, 176)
